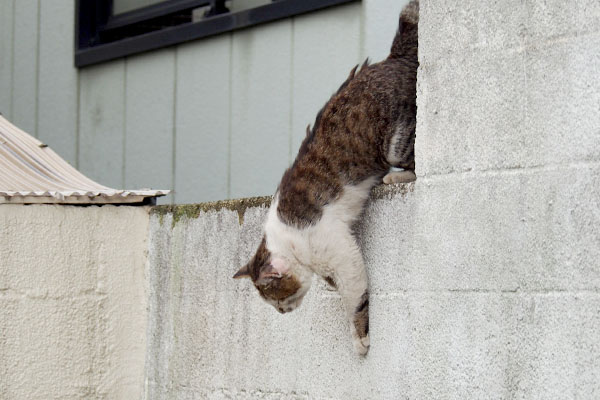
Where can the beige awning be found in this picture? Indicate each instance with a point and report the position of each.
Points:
(31, 172)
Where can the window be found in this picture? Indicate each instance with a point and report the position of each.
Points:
(121, 6)
(109, 29)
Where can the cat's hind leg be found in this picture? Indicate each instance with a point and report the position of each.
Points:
(401, 154)
(404, 176)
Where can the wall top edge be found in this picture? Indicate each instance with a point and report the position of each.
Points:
(192, 211)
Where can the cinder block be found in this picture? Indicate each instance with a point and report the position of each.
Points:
(562, 100)
(510, 109)
(51, 348)
(58, 252)
(42, 254)
(464, 27)
(471, 115)
(509, 231)
(549, 20)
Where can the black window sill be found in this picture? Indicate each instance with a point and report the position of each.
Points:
(102, 37)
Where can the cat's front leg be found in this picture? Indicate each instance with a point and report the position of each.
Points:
(360, 325)
(352, 283)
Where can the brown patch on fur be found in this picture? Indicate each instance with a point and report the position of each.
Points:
(261, 258)
(279, 288)
(361, 316)
(273, 288)
(330, 281)
(351, 135)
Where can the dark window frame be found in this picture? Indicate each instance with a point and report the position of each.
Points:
(101, 36)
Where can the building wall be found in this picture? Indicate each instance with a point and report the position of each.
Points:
(72, 302)
(212, 119)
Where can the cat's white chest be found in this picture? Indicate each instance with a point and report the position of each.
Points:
(325, 243)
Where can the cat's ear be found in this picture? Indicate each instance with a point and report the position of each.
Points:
(242, 273)
(277, 268)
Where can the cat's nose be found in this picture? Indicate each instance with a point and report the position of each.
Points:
(281, 310)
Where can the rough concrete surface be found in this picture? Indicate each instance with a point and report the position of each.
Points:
(72, 301)
(507, 84)
(483, 286)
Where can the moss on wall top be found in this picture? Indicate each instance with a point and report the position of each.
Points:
(179, 211)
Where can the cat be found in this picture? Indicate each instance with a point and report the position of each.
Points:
(367, 127)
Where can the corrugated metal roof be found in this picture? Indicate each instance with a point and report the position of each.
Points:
(30, 172)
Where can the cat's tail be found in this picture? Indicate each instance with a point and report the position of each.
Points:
(407, 37)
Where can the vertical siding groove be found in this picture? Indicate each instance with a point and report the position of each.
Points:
(25, 50)
(362, 54)
(174, 121)
(124, 166)
(230, 116)
(12, 61)
(100, 141)
(37, 70)
(291, 113)
(77, 120)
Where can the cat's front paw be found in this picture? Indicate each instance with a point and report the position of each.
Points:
(361, 345)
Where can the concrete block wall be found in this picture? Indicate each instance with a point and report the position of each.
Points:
(72, 302)
(468, 300)
(484, 273)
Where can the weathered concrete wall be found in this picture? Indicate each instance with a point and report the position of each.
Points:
(482, 287)
(485, 274)
(72, 302)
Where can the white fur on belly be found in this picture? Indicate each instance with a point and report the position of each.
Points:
(329, 242)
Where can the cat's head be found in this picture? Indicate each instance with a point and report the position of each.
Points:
(280, 282)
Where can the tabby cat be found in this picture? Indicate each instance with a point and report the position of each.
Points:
(366, 128)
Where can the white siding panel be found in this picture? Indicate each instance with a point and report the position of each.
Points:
(261, 85)
(321, 65)
(25, 66)
(57, 102)
(202, 120)
(102, 123)
(149, 103)
(6, 50)
(380, 26)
